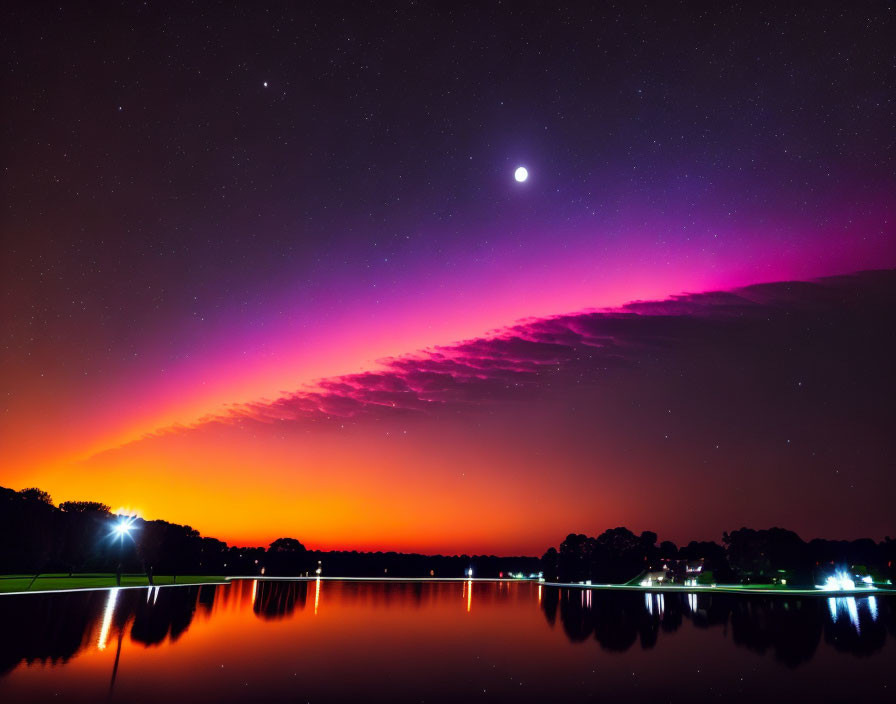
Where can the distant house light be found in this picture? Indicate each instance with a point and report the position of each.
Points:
(839, 581)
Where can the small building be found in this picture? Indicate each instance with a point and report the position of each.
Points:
(656, 577)
(682, 572)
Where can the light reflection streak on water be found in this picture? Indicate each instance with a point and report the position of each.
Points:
(851, 607)
(254, 590)
(656, 603)
(107, 619)
(316, 596)
(692, 602)
(853, 610)
(539, 594)
(872, 607)
(469, 595)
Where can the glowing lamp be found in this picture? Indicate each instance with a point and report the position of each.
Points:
(123, 527)
(839, 581)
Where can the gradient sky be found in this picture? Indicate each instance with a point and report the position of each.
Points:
(263, 226)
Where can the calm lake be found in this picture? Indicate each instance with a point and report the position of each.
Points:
(313, 641)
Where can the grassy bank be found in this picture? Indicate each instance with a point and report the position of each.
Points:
(17, 583)
(727, 589)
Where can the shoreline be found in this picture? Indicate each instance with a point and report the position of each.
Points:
(668, 589)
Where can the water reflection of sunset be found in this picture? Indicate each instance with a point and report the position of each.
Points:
(263, 636)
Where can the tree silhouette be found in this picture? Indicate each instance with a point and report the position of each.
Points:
(37, 536)
(34, 494)
(87, 523)
(287, 556)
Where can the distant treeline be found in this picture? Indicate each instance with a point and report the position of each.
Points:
(78, 536)
(745, 555)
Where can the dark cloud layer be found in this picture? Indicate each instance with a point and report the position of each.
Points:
(831, 339)
(766, 405)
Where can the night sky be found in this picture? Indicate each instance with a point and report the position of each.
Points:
(266, 269)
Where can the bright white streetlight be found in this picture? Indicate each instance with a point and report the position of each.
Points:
(123, 527)
(839, 581)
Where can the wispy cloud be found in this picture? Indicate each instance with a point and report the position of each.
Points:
(551, 355)
(762, 405)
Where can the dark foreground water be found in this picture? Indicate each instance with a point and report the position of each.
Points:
(441, 642)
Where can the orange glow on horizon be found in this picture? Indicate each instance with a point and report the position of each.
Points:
(491, 472)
